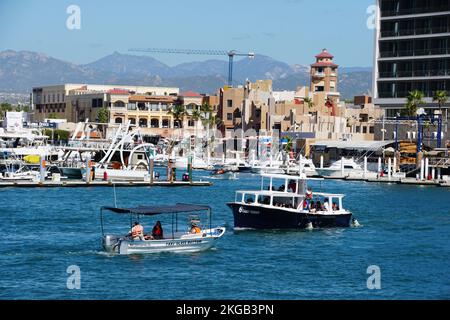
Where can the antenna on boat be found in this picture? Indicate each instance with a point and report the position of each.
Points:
(115, 197)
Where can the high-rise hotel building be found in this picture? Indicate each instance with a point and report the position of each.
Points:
(412, 51)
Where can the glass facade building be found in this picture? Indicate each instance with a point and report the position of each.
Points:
(412, 51)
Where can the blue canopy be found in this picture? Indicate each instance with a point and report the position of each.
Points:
(154, 210)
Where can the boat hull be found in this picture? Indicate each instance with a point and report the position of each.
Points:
(326, 172)
(187, 243)
(71, 173)
(255, 217)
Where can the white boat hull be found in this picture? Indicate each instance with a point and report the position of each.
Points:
(326, 172)
(117, 174)
(184, 243)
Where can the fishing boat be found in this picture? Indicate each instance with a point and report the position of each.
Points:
(341, 168)
(289, 206)
(177, 240)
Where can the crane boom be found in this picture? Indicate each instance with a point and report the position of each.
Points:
(230, 54)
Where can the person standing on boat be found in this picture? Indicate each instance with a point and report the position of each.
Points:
(137, 232)
(308, 199)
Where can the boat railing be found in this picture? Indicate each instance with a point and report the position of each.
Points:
(288, 200)
(334, 202)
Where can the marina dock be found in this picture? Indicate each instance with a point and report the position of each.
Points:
(404, 181)
(81, 183)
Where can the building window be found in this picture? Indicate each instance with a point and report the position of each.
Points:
(191, 123)
(364, 129)
(358, 129)
(229, 116)
(132, 121)
(165, 123)
(229, 103)
(143, 122)
(119, 104)
(320, 88)
(118, 120)
(372, 130)
(154, 123)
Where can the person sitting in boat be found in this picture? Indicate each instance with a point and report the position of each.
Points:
(195, 228)
(318, 206)
(281, 188)
(157, 232)
(185, 176)
(326, 205)
(292, 186)
(137, 232)
(312, 207)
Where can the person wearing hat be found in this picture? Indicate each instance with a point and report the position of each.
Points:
(137, 232)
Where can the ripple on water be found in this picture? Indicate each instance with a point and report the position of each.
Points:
(43, 231)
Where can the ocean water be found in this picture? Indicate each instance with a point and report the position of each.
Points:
(405, 232)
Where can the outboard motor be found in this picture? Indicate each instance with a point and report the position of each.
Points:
(111, 243)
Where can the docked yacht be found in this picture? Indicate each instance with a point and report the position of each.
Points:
(341, 168)
(200, 238)
(288, 206)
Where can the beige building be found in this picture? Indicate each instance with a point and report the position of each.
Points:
(78, 102)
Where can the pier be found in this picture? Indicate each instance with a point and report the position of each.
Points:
(403, 181)
(81, 183)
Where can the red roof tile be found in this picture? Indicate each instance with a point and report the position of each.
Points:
(190, 94)
(324, 64)
(324, 54)
(118, 91)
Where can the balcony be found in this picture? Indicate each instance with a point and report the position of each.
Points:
(415, 10)
(414, 32)
(404, 94)
(319, 74)
(414, 53)
(415, 73)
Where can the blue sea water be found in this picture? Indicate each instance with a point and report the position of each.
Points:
(405, 232)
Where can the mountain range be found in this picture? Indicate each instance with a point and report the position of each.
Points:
(22, 70)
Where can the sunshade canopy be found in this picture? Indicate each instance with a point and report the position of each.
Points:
(154, 210)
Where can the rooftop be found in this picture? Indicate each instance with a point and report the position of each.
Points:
(324, 54)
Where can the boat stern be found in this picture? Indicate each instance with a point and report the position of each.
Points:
(111, 243)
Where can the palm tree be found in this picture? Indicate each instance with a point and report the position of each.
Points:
(196, 115)
(441, 98)
(178, 112)
(309, 102)
(414, 100)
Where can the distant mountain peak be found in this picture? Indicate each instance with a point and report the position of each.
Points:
(22, 70)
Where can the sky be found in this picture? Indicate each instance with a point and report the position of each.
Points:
(292, 31)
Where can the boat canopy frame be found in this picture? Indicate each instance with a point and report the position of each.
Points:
(153, 210)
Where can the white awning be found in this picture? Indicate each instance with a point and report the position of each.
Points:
(354, 145)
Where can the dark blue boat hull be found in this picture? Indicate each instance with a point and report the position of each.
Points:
(251, 217)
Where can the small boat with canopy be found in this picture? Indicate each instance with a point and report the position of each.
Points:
(198, 238)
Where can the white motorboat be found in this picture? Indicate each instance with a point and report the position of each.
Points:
(341, 168)
(197, 163)
(306, 166)
(202, 238)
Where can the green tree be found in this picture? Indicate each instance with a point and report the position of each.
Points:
(309, 102)
(441, 98)
(413, 102)
(103, 116)
(6, 107)
(178, 112)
